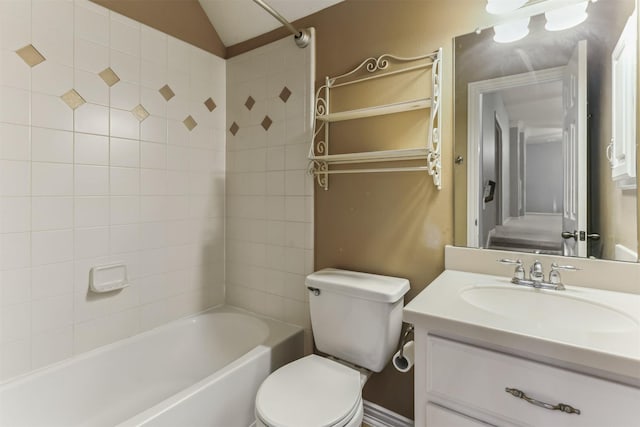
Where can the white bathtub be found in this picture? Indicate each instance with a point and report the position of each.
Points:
(203, 370)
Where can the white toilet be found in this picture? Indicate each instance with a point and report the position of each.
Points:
(356, 319)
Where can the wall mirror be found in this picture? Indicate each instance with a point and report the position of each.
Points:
(545, 135)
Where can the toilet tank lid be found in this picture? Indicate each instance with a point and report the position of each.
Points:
(355, 284)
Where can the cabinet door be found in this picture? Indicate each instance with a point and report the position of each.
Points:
(437, 416)
(622, 151)
(473, 380)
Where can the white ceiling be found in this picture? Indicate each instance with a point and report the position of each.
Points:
(538, 105)
(240, 20)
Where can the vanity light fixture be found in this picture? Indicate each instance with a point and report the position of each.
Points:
(566, 17)
(511, 31)
(499, 7)
(560, 15)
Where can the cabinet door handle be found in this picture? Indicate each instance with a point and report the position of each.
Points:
(559, 407)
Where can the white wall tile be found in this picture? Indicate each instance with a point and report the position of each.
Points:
(125, 35)
(154, 45)
(14, 142)
(91, 149)
(154, 208)
(90, 56)
(152, 76)
(51, 78)
(91, 242)
(124, 152)
(48, 111)
(91, 23)
(125, 96)
(154, 129)
(15, 214)
(127, 67)
(152, 155)
(124, 181)
(15, 251)
(49, 145)
(51, 346)
(153, 182)
(91, 87)
(52, 29)
(51, 313)
(15, 287)
(49, 247)
(125, 209)
(178, 54)
(124, 124)
(14, 72)
(92, 118)
(52, 280)
(51, 213)
(52, 179)
(15, 24)
(16, 322)
(124, 238)
(14, 105)
(91, 180)
(91, 211)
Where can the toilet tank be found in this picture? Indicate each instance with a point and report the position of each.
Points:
(356, 317)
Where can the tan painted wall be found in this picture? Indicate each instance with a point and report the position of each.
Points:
(183, 19)
(394, 223)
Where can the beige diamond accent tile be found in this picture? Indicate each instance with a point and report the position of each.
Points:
(73, 99)
(109, 76)
(266, 122)
(249, 103)
(166, 92)
(30, 55)
(190, 123)
(210, 104)
(234, 128)
(285, 94)
(140, 113)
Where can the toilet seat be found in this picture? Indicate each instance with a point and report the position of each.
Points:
(312, 391)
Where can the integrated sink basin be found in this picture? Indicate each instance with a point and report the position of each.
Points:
(548, 308)
(579, 326)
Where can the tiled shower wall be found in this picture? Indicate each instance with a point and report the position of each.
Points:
(112, 149)
(269, 241)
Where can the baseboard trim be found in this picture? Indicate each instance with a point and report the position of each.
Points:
(377, 416)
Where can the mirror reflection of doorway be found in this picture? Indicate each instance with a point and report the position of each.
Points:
(525, 129)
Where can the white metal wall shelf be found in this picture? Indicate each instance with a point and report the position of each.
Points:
(373, 68)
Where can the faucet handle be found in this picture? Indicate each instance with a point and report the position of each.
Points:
(554, 274)
(535, 272)
(519, 271)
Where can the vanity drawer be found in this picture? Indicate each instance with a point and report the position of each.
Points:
(437, 416)
(470, 378)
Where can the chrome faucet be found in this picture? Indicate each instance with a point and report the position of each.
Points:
(536, 275)
(535, 272)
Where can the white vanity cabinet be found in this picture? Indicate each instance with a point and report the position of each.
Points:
(458, 384)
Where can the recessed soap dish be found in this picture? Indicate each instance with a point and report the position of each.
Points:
(108, 278)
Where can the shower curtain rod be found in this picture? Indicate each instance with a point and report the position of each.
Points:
(301, 37)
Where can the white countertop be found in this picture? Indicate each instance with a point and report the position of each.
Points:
(441, 310)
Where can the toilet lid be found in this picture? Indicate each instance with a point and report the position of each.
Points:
(312, 391)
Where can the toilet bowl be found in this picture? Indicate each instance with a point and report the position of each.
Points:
(356, 318)
(311, 392)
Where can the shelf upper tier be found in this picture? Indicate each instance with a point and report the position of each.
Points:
(379, 110)
(375, 156)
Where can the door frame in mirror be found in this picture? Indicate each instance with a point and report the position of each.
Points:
(475, 92)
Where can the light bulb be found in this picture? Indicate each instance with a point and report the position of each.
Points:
(511, 31)
(566, 16)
